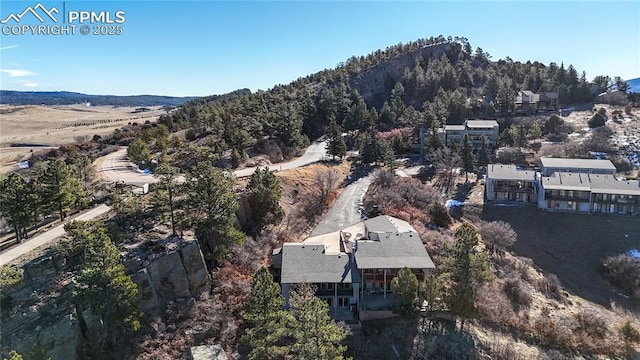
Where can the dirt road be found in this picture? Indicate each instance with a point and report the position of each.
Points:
(42, 239)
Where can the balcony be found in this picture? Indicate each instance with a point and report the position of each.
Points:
(529, 190)
(566, 198)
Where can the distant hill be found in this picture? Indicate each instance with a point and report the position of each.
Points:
(10, 97)
(634, 85)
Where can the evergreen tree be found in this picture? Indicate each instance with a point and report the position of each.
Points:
(405, 287)
(168, 182)
(14, 195)
(398, 106)
(60, 190)
(466, 270)
(139, 153)
(315, 334)
(434, 140)
(386, 117)
(103, 285)
(466, 156)
(335, 144)
(535, 131)
(483, 154)
(358, 115)
(211, 206)
(433, 291)
(265, 318)
(264, 198)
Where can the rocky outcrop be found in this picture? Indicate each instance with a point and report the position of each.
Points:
(40, 311)
(175, 270)
(375, 82)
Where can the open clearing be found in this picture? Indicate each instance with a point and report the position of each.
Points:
(33, 126)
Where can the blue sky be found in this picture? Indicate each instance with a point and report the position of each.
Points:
(197, 48)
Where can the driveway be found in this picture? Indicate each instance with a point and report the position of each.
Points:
(116, 166)
(344, 211)
(42, 239)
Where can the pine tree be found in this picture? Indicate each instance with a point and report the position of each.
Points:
(466, 156)
(315, 334)
(466, 269)
(211, 206)
(358, 115)
(398, 106)
(483, 153)
(335, 144)
(14, 193)
(265, 318)
(168, 177)
(405, 287)
(60, 190)
(139, 153)
(103, 285)
(434, 140)
(264, 198)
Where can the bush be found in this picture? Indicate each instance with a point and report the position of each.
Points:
(9, 276)
(518, 292)
(439, 215)
(627, 109)
(623, 271)
(592, 324)
(596, 120)
(549, 285)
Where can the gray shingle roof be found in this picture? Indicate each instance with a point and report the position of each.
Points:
(384, 223)
(308, 263)
(509, 172)
(393, 251)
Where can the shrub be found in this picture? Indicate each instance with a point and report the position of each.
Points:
(549, 285)
(553, 333)
(623, 271)
(517, 291)
(592, 324)
(9, 276)
(439, 215)
(627, 109)
(596, 120)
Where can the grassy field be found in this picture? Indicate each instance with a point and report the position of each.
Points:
(34, 126)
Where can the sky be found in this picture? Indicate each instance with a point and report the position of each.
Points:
(198, 48)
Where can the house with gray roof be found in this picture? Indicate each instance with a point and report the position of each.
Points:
(476, 129)
(352, 269)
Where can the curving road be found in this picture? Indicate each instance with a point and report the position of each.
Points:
(116, 166)
(344, 212)
(42, 239)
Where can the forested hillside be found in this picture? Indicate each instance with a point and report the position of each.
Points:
(421, 83)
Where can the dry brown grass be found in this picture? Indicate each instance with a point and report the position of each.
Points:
(57, 125)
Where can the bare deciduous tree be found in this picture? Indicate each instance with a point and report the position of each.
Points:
(325, 181)
(498, 236)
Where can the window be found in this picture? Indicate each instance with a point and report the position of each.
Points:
(344, 302)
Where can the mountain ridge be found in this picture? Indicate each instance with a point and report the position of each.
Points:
(14, 97)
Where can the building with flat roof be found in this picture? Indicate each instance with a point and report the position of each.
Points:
(352, 269)
(575, 185)
(476, 129)
(509, 183)
(549, 166)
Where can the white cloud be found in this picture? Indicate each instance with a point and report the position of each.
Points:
(30, 84)
(9, 47)
(18, 72)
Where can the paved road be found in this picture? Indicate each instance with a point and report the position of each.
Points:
(40, 240)
(344, 211)
(117, 167)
